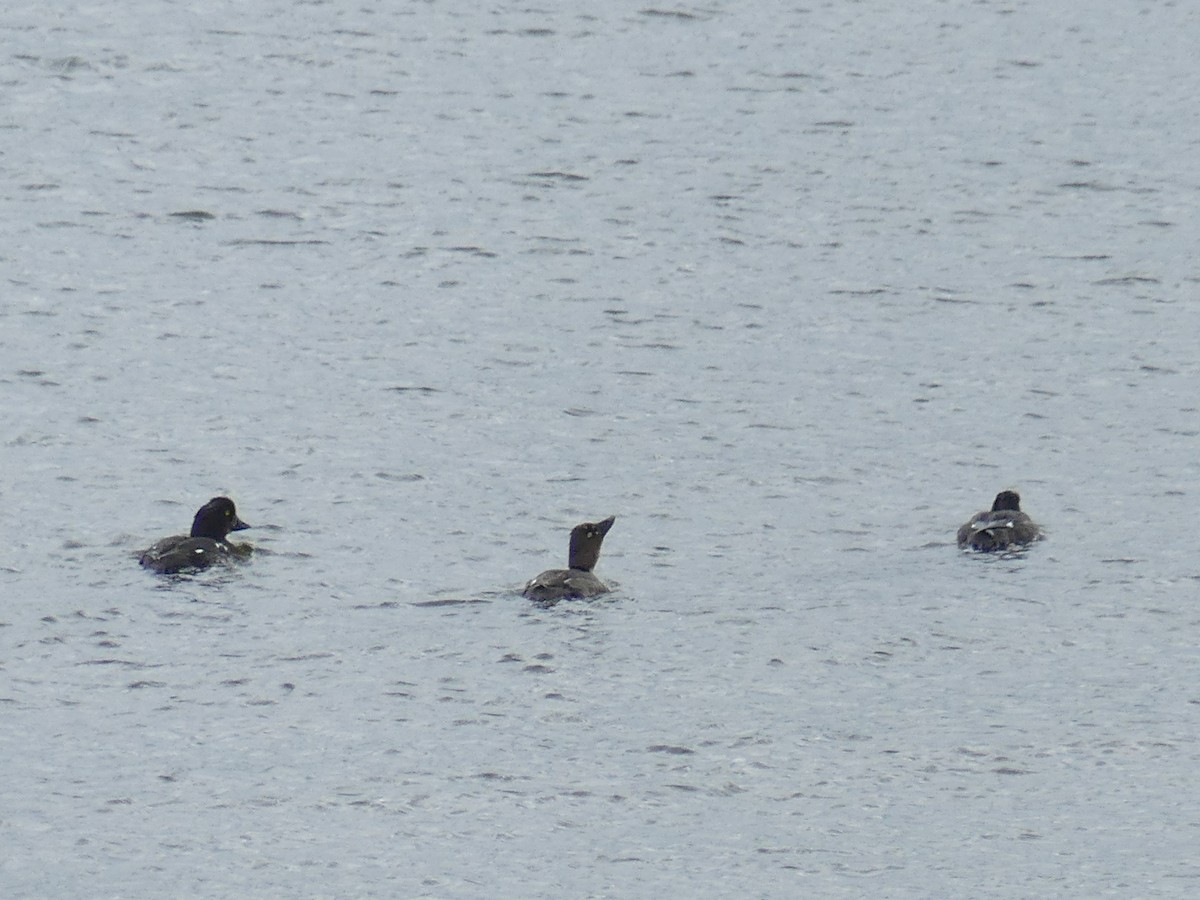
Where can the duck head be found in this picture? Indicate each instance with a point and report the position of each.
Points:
(585, 543)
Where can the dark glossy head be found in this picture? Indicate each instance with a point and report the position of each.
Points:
(1007, 501)
(216, 518)
(585, 543)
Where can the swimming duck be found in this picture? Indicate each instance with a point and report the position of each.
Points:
(1001, 527)
(577, 581)
(204, 546)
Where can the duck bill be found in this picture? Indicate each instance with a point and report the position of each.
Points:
(238, 525)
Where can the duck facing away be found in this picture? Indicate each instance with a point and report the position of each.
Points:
(1001, 527)
(577, 581)
(204, 546)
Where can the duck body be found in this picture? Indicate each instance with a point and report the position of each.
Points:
(205, 545)
(1002, 527)
(577, 582)
(564, 584)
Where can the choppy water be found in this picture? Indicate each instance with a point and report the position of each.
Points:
(791, 291)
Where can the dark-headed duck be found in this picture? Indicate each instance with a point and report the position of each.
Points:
(578, 581)
(204, 546)
(1001, 527)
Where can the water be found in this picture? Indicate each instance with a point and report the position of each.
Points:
(791, 292)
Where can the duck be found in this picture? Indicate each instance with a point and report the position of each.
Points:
(206, 544)
(1000, 528)
(576, 582)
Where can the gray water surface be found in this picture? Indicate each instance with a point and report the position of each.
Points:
(791, 291)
